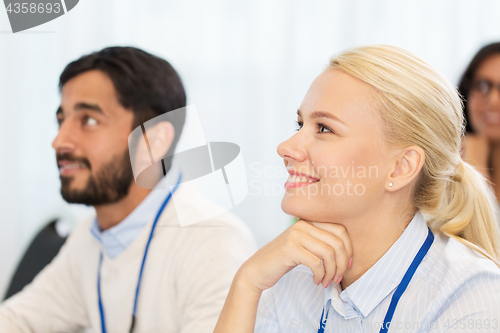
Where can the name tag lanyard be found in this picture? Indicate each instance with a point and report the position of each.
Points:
(101, 309)
(399, 291)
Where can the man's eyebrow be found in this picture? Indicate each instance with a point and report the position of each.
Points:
(87, 106)
(322, 114)
(81, 106)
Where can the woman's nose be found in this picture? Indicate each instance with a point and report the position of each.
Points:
(494, 96)
(292, 149)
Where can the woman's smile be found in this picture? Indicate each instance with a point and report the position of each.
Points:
(298, 179)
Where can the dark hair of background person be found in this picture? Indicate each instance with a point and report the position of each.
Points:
(466, 81)
(146, 84)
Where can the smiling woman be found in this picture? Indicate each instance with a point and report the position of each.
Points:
(480, 86)
(418, 246)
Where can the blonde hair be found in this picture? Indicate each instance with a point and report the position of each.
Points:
(418, 106)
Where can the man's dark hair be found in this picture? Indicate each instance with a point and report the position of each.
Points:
(466, 81)
(145, 84)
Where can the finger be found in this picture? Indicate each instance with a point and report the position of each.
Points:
(325, 253)
(328, 228)
(336, 230)
(307, 258)
(335, 235)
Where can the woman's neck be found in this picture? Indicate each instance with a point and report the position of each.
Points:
(371, 238)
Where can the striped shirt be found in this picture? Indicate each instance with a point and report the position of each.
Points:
(454, 289)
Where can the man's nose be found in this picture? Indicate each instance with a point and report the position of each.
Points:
(65, 139)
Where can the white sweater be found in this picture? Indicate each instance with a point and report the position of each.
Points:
(187, 276)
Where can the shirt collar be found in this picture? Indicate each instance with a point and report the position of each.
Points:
(361, 297)
(117, 238)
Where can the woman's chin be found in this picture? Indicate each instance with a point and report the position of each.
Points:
(287, 206)
(296, 206)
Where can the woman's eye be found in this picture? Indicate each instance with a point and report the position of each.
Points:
(89, 121)
(323, 128)
(299, 125)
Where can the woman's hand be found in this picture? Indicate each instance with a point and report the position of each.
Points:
(306, 243)
(476, 150)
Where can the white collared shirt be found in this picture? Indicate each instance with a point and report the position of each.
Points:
(116, 239)
(453, 290)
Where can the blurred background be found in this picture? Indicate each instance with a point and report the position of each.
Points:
(246, 65)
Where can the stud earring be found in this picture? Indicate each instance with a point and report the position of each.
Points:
(390, 184)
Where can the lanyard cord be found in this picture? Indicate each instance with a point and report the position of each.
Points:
(101, 308)
(400, 289)
(322, 323)
(406, 280)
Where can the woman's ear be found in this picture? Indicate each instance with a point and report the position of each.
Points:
(408, 162)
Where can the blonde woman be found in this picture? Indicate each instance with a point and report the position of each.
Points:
(396, 229)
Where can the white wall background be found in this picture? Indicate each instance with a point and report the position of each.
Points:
(246, 66)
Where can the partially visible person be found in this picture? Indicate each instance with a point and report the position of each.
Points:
(101, 279)
(480, 88)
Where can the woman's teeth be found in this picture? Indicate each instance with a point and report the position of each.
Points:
(298, 179)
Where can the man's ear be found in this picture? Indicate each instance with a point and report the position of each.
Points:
(408, 162)
(147, 149)
(160, 138)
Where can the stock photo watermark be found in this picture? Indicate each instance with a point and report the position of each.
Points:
(353, 324)
(214, 169)
(335, 180)
(217, 170)
(24, 15)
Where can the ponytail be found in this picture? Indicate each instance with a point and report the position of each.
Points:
(465, 212)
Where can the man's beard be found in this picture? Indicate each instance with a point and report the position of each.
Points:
(108, 185)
